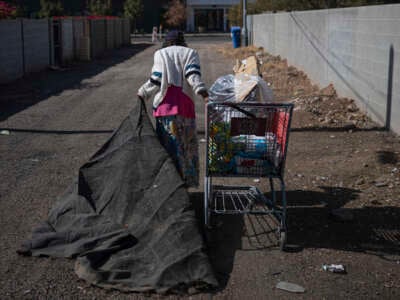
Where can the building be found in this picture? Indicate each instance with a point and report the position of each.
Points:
(208, 15)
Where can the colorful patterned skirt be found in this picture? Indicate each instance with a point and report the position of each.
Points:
(179, 137)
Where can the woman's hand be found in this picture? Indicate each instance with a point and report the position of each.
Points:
(204, 94)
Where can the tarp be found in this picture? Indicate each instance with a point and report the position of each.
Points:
(127, 220)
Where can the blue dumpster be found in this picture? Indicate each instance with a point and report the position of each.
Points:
(235, 34)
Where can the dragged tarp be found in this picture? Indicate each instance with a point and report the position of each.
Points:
(127, 220)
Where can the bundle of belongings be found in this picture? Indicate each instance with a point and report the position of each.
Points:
(245, 139)
(246, 85)
(127, 220)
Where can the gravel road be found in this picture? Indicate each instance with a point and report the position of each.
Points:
(58, 118)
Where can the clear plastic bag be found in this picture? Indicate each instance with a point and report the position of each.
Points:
(223, 89)
(240, 88)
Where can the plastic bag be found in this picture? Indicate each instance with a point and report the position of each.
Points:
(240, 87)
(223, 89)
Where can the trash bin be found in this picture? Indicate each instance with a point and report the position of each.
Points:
(235, 34)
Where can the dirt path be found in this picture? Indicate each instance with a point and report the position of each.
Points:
(62, 117)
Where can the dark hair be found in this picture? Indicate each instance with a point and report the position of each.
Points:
(174, 38)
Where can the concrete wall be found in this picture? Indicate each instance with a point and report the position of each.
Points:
(28, 45)
(118, 33)
(78, 32)
(24, 47)
(97, 37)
(36, 45)
(82, 39)
(11, 64)
(356, 49)
(126, 32)
(110, 34)
(67, 41)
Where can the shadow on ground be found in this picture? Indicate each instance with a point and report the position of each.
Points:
(317, 220)
(25, 92)
(222, 240)
(311, 224)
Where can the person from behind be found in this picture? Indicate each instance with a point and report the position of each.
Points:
(154, 35)
(175, 80)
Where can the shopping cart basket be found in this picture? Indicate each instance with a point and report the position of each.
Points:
(246, 140)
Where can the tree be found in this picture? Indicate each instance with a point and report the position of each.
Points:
(50, 8)
(6, 10)
(235, 15)
(100, 7)
(176, 14)
(133, 8)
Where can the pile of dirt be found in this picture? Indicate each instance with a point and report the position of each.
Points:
(322, 105)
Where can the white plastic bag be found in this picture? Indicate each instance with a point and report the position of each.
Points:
(240, 87)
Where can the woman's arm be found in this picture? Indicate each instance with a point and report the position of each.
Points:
(152, 85)
(193, 75)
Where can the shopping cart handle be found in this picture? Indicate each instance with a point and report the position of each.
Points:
(249, 114)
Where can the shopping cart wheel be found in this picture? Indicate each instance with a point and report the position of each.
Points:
(282, 240)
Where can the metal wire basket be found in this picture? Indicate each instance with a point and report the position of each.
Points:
(246, 140)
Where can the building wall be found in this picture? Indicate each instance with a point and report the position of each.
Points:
(10, 50)
(223, 5)
(191, 11)
(357, 49)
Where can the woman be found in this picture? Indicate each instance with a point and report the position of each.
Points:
(154, 35)
(175, 79)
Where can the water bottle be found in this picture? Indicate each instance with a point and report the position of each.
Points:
(334, 268)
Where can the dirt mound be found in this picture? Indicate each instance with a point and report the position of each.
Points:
(323, 106)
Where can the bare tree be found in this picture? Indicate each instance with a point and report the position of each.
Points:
(176, 14)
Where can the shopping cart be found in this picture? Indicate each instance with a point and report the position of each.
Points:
(246, 140)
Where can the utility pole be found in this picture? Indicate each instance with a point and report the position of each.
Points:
(246, 39)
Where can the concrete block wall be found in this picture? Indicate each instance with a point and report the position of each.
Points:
(357, 49)
(27, 45)
(36, 45)
(126, 31)
(97, 37)
(110, 34)
(81, 33)
(11, 55)
(78, 34)
(118, 33)
(67, 41)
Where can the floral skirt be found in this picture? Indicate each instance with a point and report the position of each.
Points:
(179, 137)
